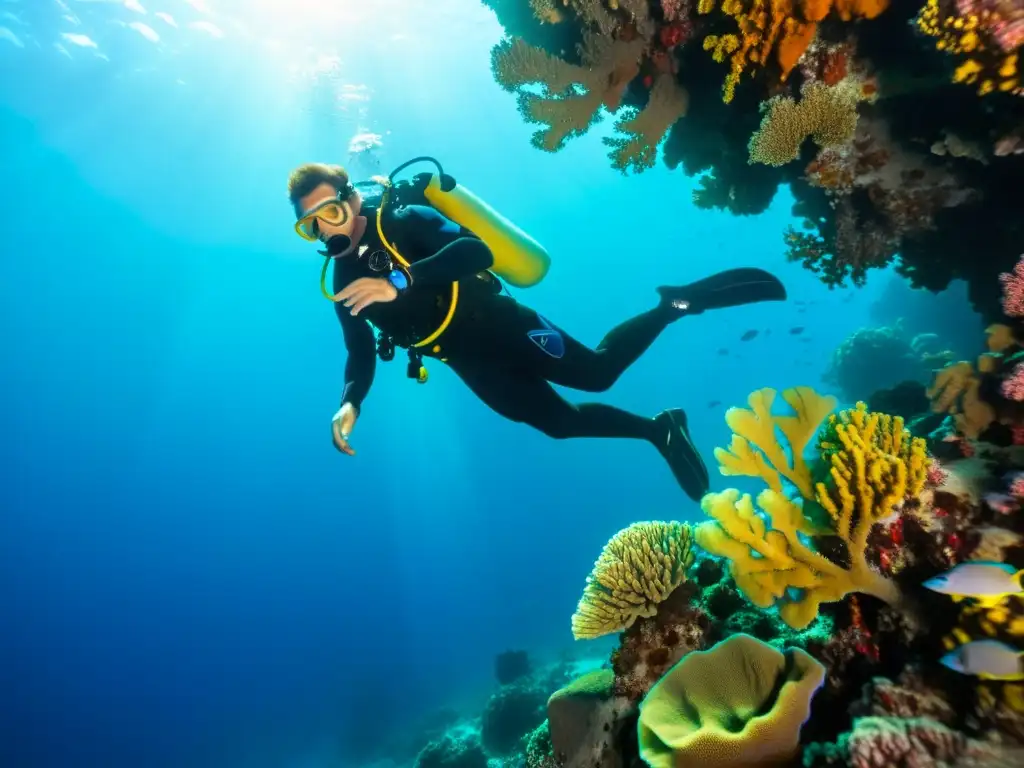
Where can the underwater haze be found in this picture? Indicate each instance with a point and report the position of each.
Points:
(192, 576)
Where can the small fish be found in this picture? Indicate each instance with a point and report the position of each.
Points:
(1002, 503)
(723, 351)
(713, 403)
(796, 330)
(805, 339)
(848, 298)
(985, 581)
(752, 333)
(987, 659)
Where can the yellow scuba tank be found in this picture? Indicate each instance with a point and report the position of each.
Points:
(518, 258)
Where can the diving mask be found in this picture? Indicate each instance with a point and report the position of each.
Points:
(334, 212)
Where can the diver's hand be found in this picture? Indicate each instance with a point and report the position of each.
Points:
(365, 291)
(341, 427)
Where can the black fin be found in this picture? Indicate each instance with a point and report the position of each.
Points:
(730, 288)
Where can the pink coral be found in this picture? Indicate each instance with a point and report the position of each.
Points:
(1013, 290)
(1002, 19)
(674, 9)
(1013, 386)
(878, 742)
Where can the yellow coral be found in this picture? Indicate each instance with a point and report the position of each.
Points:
(986, 65)
(955, 390)
(740, 704)
(874, 465)
(767, 562)
(828, 114)
(637, 569)
(755, 428)
(783, 27)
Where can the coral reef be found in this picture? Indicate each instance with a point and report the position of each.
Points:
(512, 666)
(872, 359)
(454, 749)
(511, 712)
(914, 110)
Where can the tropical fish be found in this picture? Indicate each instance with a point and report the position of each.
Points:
(749, 335)
(723, 351)
(797, 330)
(985, 581)
(713, 403)
(1002, 503)
(987, 659)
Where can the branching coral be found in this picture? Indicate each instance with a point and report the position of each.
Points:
(565, 110)
(827, 114)
(741, 703)
(986, 34)
(639, 568)
(756, 452)
(645, 128)
(784, 28)
(874, 465)
(620, 40)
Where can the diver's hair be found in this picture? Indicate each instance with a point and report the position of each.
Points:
(309, 176)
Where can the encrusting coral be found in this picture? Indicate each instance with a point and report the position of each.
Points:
(741, 703)
(637, 569)
(873, 466)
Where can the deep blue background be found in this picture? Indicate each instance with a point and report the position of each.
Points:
(191, 575)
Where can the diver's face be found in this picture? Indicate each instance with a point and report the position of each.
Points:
(322, 194)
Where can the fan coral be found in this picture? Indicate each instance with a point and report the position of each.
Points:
(637, 569)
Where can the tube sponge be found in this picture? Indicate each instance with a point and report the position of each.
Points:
(740, 704)
(637, 569)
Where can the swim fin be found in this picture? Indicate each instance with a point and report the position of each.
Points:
(674, 443)
(730, 288)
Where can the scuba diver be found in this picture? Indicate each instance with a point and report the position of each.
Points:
(424, 265)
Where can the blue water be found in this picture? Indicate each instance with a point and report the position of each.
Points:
(190, 574)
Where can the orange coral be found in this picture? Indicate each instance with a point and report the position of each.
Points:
(786, 27)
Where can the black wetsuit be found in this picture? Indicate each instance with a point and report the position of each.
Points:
(508, 354)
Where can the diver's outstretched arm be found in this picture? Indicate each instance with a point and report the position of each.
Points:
(361, 364)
